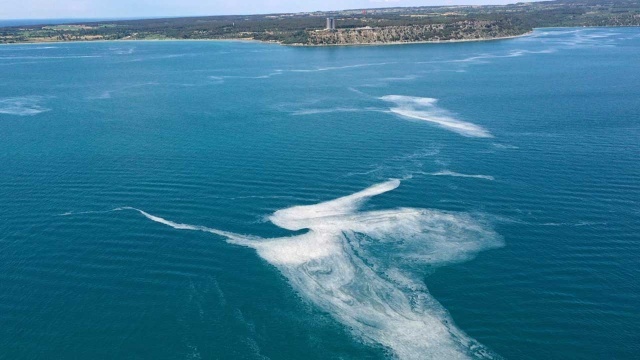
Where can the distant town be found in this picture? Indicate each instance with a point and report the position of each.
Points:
(350, 27)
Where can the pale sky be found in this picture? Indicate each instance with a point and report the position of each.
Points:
(56, 9)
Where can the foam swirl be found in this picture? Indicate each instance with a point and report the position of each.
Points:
(365, 268)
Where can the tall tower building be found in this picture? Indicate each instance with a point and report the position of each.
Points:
(331, 23)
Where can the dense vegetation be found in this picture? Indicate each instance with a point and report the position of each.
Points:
(354, 26)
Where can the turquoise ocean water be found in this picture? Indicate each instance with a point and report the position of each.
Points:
(230, 200)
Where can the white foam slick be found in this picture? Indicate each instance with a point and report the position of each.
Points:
(365, 268)
(22, 106)
(426, 109)
(456, 174)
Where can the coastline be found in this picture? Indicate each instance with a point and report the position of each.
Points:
(418, 42)
(277, 42)
(528, 33)
(383, 26)
(451, 41)
(138, 40)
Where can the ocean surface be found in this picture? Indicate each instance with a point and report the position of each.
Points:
(238, 200)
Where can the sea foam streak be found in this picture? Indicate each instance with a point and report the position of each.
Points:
(365, 268)
(419, 108)
(455, 174)
(22, 106)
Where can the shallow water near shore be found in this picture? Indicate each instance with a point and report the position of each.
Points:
(218, 200)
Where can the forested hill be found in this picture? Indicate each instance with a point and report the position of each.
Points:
(370, 26)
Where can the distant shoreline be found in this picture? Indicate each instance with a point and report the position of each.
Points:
(419, 42)
(276, 42)
(451, 41)
(356, 27)
(528, 33)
